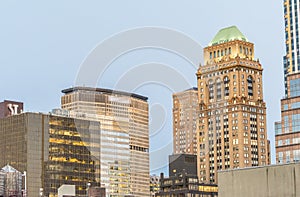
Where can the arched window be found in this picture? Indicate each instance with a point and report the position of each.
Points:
(250, 85)
(211, 89)
(219, 88)
(226, 86)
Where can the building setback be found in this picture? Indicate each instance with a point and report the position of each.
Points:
(185, 113)
(287, 131)
(118, 112)
(53, 150)
(232, 119)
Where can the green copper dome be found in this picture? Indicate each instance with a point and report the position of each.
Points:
(228, 34)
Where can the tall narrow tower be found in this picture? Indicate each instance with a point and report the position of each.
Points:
(232, 120)
(185, 113)
(287, 131)
(292, 57)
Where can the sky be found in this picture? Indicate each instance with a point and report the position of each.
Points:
(43, 46)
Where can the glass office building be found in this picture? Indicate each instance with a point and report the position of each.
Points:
(291, 22)
(125, 142)
(287, 131)
(53, 150)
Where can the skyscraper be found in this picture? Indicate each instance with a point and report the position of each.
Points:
(185, 113)
(287, 131)
(122, 115)
(53, 150)
(232, 119)
(292, 57)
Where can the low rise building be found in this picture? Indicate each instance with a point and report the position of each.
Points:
(154, 185)
(276, 180)
(185, 185)
(180, 162)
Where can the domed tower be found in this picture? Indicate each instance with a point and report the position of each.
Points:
(232, 120)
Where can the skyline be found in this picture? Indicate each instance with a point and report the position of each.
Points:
(61, 49)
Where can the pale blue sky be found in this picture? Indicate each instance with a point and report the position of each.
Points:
(42, 45)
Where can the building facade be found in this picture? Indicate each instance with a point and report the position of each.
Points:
(287, 131)
(185, 185)
(182, 162)
(291, 21)
(9, 108)
(185, 113)
(154, 185)
(232, 119)
(274, 180)
(52, 150)
(122, 115)
(11, 182)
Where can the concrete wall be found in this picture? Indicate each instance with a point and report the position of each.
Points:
(270, 181)
(66, 190)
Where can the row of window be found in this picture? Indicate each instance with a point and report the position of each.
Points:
(220, 53)
(218, 88)
(287, 141)
(227, 51)
(288, 158)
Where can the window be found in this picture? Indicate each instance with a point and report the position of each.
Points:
(278, 128)
(280, 157)
(296, 140)
(287, 142)
(226, 86)
(250, 85)
(295, 87)
(296, 154)
(295, 105)
(219, 90)
(287, 156)
(211, 89)
(279, 142)
(286, 124)
(295, 122)
(235, 141)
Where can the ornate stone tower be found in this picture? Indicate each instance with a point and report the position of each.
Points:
(232, 120)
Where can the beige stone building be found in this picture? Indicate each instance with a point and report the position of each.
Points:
(185, 113)
(232, 119)
(124, 119)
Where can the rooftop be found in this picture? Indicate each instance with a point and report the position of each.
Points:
(102, 90)
(228, 34)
